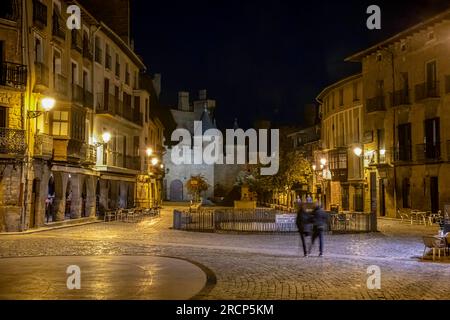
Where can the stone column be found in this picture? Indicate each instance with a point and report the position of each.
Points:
(59, 203)
(90, 196)
(75, 206)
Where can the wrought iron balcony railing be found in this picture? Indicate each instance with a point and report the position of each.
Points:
(427, 90)
(13, 74)
(58, 28)
(108, 61)
(41, 73)
(87, 49)
(88, 99)
(76, 42)
(12, 141)
(98, 55)
(133, 163)
(376, 104)
(39, 13)
(43, 146)
(403, 154)
(77, 94)
(400, 98)
(106, 104)
(91, 155)
(428, 152)
(60, 84)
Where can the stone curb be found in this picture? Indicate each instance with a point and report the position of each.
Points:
(48, 228)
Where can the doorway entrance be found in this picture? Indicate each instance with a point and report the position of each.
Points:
(434, 193)
(34, 200)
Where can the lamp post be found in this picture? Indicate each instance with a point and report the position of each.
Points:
(47, 103)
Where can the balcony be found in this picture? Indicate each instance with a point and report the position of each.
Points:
(75, 150)
(88, 154)
(9, 10)
(106, 104)
(39, 14)
(403, 154)
(77, 94)
(98, 55)
(428, 152)
(400, 98)
(58, 28)
(427, 90)
(88, 99)
(76, 43)
(12, 142)
(87, 50)
(137, 118)
(42, 76)
(376, 104)
(60, 84)
(339, 175)
(13, 74)
(108, 61)
(43, 146)
(133, 163)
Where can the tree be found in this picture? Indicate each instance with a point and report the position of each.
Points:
(196, 185)
(294, 170)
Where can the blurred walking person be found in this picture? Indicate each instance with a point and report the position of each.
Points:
(304, 225)
(319, 219)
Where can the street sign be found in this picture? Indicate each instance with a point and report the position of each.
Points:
(285, 218)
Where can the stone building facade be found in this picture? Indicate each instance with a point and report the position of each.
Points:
(176, 176)
(406, 81)
(55, 164)
(337, 167)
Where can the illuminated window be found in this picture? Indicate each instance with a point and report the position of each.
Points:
(60, 123)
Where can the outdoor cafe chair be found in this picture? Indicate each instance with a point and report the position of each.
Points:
(110, 214)
(120, 214)
(434, 243)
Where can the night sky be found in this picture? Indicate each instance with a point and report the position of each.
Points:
(261, 59)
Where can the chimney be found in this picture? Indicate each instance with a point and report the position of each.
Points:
(203, 94)
(183, 101)
(157, 83)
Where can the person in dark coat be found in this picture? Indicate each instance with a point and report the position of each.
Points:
(320, 220)
(304, 225)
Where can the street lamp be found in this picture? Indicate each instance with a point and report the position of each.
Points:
(155, 161)
(358, 151)
(149, 152)
(47, 103)
(314, 167)
(323, 161)
(106, 136)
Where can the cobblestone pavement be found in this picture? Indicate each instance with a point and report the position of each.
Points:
(263, 266)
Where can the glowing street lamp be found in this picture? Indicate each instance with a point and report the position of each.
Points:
(47, 103)
(357, 151)
(314, 167)
(106, 136)
(149, 152)
(323, 161)
(155, 161)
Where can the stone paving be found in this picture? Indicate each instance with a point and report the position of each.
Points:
(262, 266)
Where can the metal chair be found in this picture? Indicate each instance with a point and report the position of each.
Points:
(110, 214)
(434, 243)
